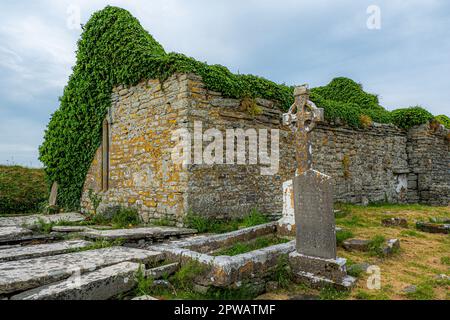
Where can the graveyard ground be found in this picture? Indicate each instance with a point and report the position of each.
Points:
(419, 264)
(420, 269)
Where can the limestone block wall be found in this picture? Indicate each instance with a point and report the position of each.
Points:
(380, 163)
(429, 159)
(141, 173)
(367, 165)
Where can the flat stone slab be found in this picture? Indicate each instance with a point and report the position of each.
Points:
(32, 220)
(13, 232)
(101, 284)
(433, 227)
(30, 239)
(356, 245)
(395, 222)
(147, 233)
(147, 297)
(21, 275)
(69, 229)
(41, 250)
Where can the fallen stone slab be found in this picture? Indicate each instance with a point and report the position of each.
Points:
(136, 234)
(147, 297)
(159, 272)
(31, 273)
(101, 284)
(68, 229)
(433, 227)
(395, 222)
(31, 239)
(356, 245)
(13, 232)
(41, 250)
(9, 246)
(32, 220)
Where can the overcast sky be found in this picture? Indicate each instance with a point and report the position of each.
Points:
(406, 61)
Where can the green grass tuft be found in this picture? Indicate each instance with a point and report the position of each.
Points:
(376, 246)
(204, 224)
(256, 244)
(343, 235)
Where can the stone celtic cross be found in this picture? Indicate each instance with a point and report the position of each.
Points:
(302, 118)
(312, 190)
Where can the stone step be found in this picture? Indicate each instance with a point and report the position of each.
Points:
(32, 220)
(100, 284)
(136, 234)
(13, 232)
(21, 275)
(41, 250)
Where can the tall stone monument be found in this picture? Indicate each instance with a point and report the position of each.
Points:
(314, 260)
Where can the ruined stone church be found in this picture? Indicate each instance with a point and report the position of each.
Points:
(133, 167)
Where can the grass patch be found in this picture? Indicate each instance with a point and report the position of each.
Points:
(143, 283)
(376, 246)
(22, 189)
(343, 235)
(424, 291)
(185, 277)
(282, 273)
(100, 244)
(445, 260)
(330, 293)
(210, 225)
(382, 294)
(256, 244)
(411, 233)
(163, 222)
(117, 217)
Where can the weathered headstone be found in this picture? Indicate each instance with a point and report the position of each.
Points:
(314, 216)
(315, 260)
(53, 194)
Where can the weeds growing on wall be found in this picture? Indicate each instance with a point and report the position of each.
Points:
(410, 117)
(443, 119)
(115, 49)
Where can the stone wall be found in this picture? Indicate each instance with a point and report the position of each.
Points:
(429, 160)
(141, 173)
(367, 165)
(380, 163)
